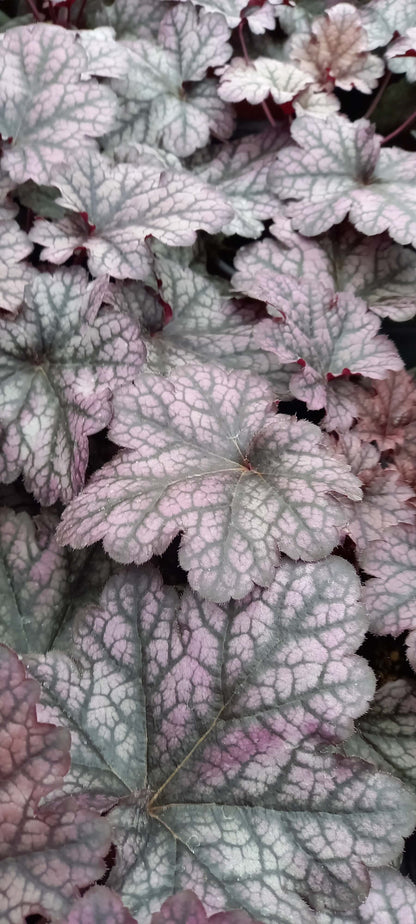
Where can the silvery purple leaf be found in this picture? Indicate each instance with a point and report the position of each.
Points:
(226, 789)
(206, 454)
(392, 898)
(386, 498)
(327, 335)
(386, 410)
(240, 171)
(389, 595)
(14, 275)
(255, 80)
(386, 735)
(337, 169)
(118, 207)
(206, 323)
(48, 111)
(258, 17)
(57, 361)
(177, 116)
(99, 906)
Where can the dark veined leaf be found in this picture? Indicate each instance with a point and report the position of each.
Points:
(206, 454)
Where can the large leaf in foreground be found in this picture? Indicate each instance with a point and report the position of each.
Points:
(118, 207)
(48, 111)
(205, 453)
(47, 854)
(206, 726)
(338, 169)
(56, 359)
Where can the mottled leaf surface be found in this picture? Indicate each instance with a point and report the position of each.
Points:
(122, 17)
(232, 10)
(376, 269)
(240, 171)
(255, 80)
(185, 908)
(47, 854)
(14, 275)
(386, 735)
(118, 207)
(326, 334)
(390, 594)
(206, 323)
(338, 169)
(392, 897)
(206, 454)
(259, 814)
(382, 18)
(56, 359)
(385, 411)
(47, 110)
(99, 906)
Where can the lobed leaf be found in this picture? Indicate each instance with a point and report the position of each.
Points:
(205, 454)
(235, 799)
(382, 18)
(335, 53)
(56, 361)
(185, 908)
(385, 412)
(391, 898)
(122, 17)
(338, 169)
(47, 854)
(14, 275)
(123, 205)
(48, 111)
(99, 906)
(255, 80)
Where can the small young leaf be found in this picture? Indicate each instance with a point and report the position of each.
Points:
(338, 169)
(100, 906)
(48, 111)
(56, 359)
(204, 453)
(185, 908)
(386, 410)
(47, 854)
(336, 51)
(401, 55)
(124, 204)
(255, 80)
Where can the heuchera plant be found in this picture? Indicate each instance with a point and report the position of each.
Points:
(208, 461)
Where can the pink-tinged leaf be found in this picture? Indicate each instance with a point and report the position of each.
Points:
(337, 169)
(240, 172)
(411, 648)
(383, 18)
(99, 906)
(317, 102)
(376, 269)
(206, 454)
(255, 80)
(385, 411)
(105, 56)
(392, 898)
(386, 498)
(48, 111)
(389, 595)
(14, 275)
(386, 735)
(124, 204)
(328, 335)
(47, 854)
(185, 908)
(335, 53)
(405, 455)
(238, 800)
(57, 360)
(401, 55)
(205, 324)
